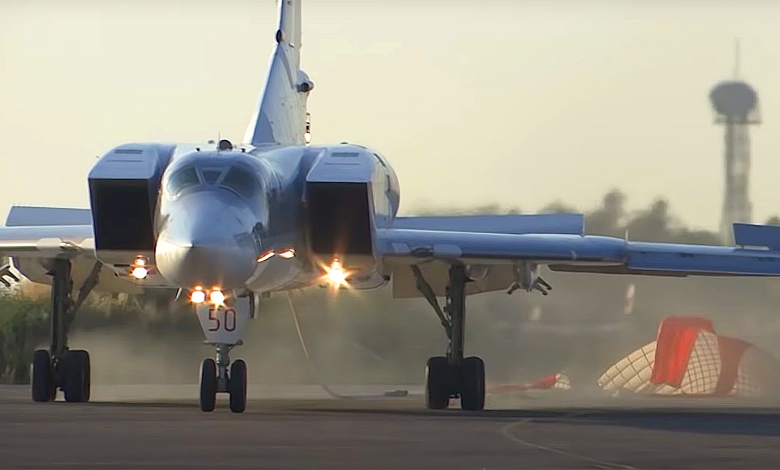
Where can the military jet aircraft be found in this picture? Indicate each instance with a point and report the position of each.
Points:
(224, 223)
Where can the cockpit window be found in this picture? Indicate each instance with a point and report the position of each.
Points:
(182, 179)
(241, 181)
(211, 175)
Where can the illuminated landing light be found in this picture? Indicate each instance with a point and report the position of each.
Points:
(265, 256)
(198, 296)
(287, 253)
(140, 261)
(217, 297)
(139, 272)
(336, 275)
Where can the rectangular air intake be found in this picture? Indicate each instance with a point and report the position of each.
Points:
(123, 214)
(339, 218)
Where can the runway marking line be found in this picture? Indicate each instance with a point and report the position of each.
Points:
(506, 431)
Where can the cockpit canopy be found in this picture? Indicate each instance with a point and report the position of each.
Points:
(235, 177)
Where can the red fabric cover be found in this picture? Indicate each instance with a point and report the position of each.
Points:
(676, 336)
(543, 383)
(731, 352)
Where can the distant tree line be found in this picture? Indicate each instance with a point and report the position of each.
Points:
(611, 218)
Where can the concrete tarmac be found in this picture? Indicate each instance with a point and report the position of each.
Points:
(373, 432)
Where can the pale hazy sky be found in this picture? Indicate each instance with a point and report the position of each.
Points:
(474, 102)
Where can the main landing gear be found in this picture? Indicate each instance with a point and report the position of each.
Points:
(452, 376)
(60, 368)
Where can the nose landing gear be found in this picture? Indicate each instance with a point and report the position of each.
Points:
(215, 378)
(223, 325)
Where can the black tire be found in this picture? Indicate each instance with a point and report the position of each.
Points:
(75, 370)
(41, 380)
(208, 385)
(237, 386)
(86, 365)
(472, 375)
(438, 377)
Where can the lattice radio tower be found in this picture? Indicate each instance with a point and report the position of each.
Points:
(736, 107)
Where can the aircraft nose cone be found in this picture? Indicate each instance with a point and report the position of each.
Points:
(208, 248)
(204, 265)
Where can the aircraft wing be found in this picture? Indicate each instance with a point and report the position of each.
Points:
(47, 241)
(500, 251)
(32, 235)
(47, 232)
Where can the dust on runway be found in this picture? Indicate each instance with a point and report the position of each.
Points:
(385, 433)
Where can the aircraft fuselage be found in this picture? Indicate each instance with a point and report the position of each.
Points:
(226, 219)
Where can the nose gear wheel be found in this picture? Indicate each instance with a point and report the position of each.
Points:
(219, 376)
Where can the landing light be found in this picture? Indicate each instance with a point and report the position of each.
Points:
(267, 255)
(138, 269)
(336, 275)
(139, 272)
(198, 296)
(217, 297)
(287, 253)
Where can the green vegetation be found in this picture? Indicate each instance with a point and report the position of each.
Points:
(23, 324)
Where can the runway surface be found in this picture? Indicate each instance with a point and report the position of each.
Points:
(372, 432)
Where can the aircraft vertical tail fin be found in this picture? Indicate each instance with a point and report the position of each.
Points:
(290, 25)
(280, 117)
